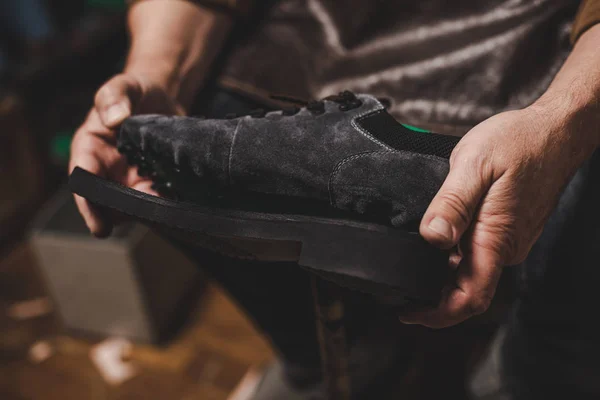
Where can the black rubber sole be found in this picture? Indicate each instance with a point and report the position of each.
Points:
(369, 257)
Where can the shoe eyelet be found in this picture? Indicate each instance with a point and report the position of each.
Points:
(348, 95)
(350, 105)
(316, 107)
(290, 111)
(259, 113)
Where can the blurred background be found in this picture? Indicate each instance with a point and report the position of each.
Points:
(127, 317)
(83, 318)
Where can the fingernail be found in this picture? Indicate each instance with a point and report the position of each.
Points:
(441, 227)
(116, 113)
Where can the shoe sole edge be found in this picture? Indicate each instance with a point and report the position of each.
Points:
(366, 251)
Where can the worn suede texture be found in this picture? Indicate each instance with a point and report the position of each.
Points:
(325, 157)
(398, 183)
(202, 145)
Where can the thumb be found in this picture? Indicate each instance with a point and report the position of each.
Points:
(117, 98)
(452, 209)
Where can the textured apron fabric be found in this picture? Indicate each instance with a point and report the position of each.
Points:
(445, 65)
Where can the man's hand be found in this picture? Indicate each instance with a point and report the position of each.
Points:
(93, 147)
(506, 176)
(172, 47)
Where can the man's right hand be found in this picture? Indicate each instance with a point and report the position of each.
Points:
(173, 44)
(94, 144)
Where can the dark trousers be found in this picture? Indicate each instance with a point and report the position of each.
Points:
(553, 342)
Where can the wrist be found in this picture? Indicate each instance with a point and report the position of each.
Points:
(572, 102)
(570, 123)
(156, 73)
(174, 44)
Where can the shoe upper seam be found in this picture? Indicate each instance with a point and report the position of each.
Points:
(355, 156)
(339, 166)
(365, 133)
(230, 159)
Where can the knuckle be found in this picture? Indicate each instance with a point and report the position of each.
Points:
(454, 203)
(112, 89)
(513, 249)
(509, 245)
(468, 155)
(479, 304)
(497, 238)
(456, 154)
(104, 94)
(520, 255)
(474, 158)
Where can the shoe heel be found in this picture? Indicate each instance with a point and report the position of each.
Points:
(401, 262)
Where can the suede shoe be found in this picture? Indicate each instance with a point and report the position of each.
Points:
(339, 176)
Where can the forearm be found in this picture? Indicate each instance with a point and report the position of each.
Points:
(574, 95)
(173, 44)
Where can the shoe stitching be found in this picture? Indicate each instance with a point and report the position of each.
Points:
(235, 133)
(367, 134)
(347, 159)
(339, 166)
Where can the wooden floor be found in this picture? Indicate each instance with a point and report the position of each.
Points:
(206, 361)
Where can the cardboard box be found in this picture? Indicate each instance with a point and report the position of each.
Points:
(133, 285)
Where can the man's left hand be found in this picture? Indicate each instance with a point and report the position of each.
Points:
(506, 176)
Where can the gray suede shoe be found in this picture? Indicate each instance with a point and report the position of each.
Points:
(340, 176)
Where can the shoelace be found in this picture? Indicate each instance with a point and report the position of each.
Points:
(346, 100)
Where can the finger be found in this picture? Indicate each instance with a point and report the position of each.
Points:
(453, 207)
(475, 287)
(96, 221)
(146, 187)
(85, 153)
(116, 99)
(454, 259)
(471, 292)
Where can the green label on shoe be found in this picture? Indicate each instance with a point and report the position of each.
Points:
(415, 129)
